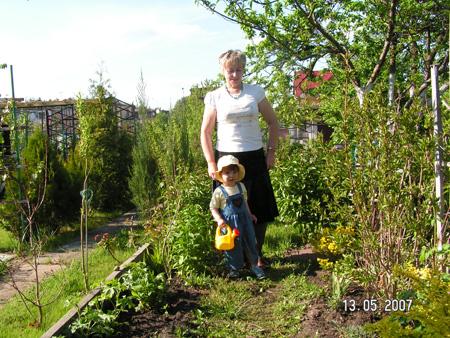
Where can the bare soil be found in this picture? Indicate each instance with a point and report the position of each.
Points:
(319, 320)
(178, 315)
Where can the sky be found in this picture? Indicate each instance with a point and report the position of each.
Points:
(57, 46)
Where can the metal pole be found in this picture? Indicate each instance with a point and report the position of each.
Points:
(16, 145)
(439, 179)
(14, 113)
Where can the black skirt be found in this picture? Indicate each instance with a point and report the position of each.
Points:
(261, 198)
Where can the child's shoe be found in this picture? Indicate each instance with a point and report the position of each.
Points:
(259, 273)
(233, 274)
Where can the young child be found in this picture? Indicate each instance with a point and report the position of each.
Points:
(229, 206)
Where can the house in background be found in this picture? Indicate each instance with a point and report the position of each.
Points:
(302, 91)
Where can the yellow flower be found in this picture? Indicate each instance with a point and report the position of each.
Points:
(424, 273)
(340, 229)
(332, 247)
(325, 263)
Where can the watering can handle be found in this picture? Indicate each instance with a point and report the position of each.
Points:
(218, 229)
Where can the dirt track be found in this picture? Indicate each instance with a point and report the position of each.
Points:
(49, 262)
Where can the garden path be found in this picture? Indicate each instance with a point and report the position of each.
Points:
(52, 261)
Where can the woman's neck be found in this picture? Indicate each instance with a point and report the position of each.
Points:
(235, 89)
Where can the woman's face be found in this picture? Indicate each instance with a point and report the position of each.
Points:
(233, 75)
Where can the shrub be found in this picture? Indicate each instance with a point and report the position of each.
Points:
(301, 191)
(430, 309)
(385, 169)
(28, 186)
(188, 234)
(145, 174)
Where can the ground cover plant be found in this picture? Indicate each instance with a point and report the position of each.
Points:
(136, 290)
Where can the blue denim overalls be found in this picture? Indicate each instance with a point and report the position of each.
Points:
(236, 215)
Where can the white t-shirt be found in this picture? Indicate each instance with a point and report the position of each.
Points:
(237, 118)
(218, 200)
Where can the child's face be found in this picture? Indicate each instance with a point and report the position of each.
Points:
(229, 176)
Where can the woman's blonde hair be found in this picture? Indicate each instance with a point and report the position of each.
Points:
(232, 57)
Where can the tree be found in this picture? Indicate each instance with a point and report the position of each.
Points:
(105, 149)
(142, 99)
(167, 146)
(358, 39)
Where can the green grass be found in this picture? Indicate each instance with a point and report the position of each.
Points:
(71, 231)
(249, 308)
(7, 241)
(67, 233)
(15, 321)
(281, 237)
(273, 307)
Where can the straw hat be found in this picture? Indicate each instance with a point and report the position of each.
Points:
(225, 161)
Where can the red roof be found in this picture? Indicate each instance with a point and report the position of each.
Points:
(302, 84)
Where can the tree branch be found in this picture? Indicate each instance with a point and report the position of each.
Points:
(339, 48)
(387, 43)
(249, 24)
(443, 67)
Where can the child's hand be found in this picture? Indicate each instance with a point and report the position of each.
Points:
(254, 219)
(221, 223)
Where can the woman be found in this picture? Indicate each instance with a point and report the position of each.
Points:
(236, 107)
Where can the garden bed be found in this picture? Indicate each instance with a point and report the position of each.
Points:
(62, 325)
(177, 317)
(183, 304)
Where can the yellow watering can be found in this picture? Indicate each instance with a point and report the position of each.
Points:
(225, 241)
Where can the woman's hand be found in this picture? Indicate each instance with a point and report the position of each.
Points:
(254, 219)
(212, 168)
(270, 158)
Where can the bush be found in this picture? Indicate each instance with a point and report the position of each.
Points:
(191, 241)
(188, 233)
(430, 308)
(28, 185)
(301, 191)
(385, 169)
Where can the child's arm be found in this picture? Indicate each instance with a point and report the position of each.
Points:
(217, 217)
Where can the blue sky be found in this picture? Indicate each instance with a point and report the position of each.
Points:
(56, 46)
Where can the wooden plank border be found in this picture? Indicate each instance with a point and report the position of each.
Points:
(62, 324)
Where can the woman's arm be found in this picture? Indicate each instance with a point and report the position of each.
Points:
(206, 131)
(271, 119)
(254, 218)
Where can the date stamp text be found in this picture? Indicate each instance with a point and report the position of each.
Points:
(374, 305)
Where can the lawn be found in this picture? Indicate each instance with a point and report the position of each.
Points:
(62, 290)
(7, 241)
